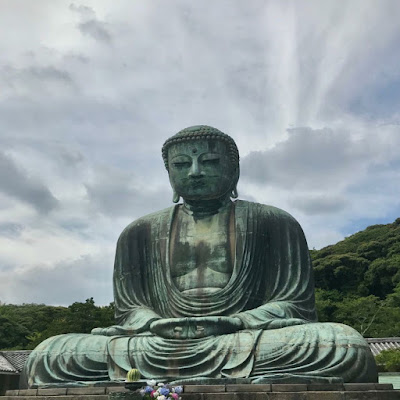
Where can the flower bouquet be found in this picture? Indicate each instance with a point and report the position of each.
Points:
(160, 391)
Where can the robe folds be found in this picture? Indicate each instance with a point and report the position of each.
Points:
(271, 283)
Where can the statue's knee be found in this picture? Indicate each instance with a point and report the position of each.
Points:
(342, 331)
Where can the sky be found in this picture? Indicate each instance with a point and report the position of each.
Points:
(90, 90)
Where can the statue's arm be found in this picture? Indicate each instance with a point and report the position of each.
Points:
(136, 325)
(270, 316)
(133, 310)
(287, 273)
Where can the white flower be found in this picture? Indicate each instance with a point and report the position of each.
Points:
(160, 384)
(151, 382)
(162, 397)
(142, 392)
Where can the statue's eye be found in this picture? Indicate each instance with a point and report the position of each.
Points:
(181, 164)
(211, 161)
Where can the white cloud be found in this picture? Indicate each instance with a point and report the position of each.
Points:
(324, 159)
(17, 183)
(75, 279)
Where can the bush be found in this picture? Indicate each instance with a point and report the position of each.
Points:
(389, 359)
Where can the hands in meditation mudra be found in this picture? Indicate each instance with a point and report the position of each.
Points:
(211, 288)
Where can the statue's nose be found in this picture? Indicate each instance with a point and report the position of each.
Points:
(195, 170)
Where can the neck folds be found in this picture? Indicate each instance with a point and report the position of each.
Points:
(206, 208)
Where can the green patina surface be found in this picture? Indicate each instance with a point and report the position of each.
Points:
(209, 288)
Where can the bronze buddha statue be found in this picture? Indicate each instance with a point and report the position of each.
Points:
(209, 288)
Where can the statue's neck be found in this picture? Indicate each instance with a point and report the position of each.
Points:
(206, 208)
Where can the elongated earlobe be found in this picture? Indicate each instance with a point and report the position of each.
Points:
(234, 193)
(175, 197)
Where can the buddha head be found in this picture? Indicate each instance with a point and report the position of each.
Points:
(202, 163)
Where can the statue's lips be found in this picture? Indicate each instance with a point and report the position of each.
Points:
(197, 185)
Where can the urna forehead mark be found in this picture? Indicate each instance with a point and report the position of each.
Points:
(199, 147)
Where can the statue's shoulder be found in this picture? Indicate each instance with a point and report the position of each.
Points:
(267, 212)
(147, 221)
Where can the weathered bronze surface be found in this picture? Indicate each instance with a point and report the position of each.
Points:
(211, 288)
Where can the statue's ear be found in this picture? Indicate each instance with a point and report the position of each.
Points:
(234, 193)
(175, 196)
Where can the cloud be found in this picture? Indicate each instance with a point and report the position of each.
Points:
(117, 193)
(35, 79)
(330, 178)
(90, 25)
(58, 284)
(96, 29)
(71, 157)
(17, 183)
(84, 11)
(41, 73)
(305, 158)
(322, 204)
(11, 229)
(321, 159)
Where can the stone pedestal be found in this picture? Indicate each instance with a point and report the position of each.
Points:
(347, 391)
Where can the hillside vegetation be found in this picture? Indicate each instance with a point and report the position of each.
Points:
(25, 326)
(357, 283)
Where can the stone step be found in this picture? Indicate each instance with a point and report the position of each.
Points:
(349, 391)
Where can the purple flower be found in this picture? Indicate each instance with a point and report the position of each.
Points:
(148, 389)
(164, 391)
(178, 389)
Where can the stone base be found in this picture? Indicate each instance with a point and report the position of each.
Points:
(347, 391)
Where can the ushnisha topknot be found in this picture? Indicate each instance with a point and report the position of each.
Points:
(201, 132)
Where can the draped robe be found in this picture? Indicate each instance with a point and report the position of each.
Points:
(271, 282)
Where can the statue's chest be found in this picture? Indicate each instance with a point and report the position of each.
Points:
(201, 251)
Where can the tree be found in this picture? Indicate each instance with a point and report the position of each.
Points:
(370, 316)
(12, 334)
(327, 303)
(389, 359)
(342, 272)
(382, 276)
(25, 326)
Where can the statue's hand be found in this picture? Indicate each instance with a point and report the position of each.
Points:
(114, 330)
(194, 327)
(282, 323)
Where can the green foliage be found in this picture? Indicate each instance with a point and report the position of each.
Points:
(327, 302)
(389, 359)
(25, 326)
(393, 299)
(358, 281)
(12, 334)
(340, 271)
(369, 315)
(383, 275)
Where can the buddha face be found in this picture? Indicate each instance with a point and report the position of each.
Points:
(201, 169)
